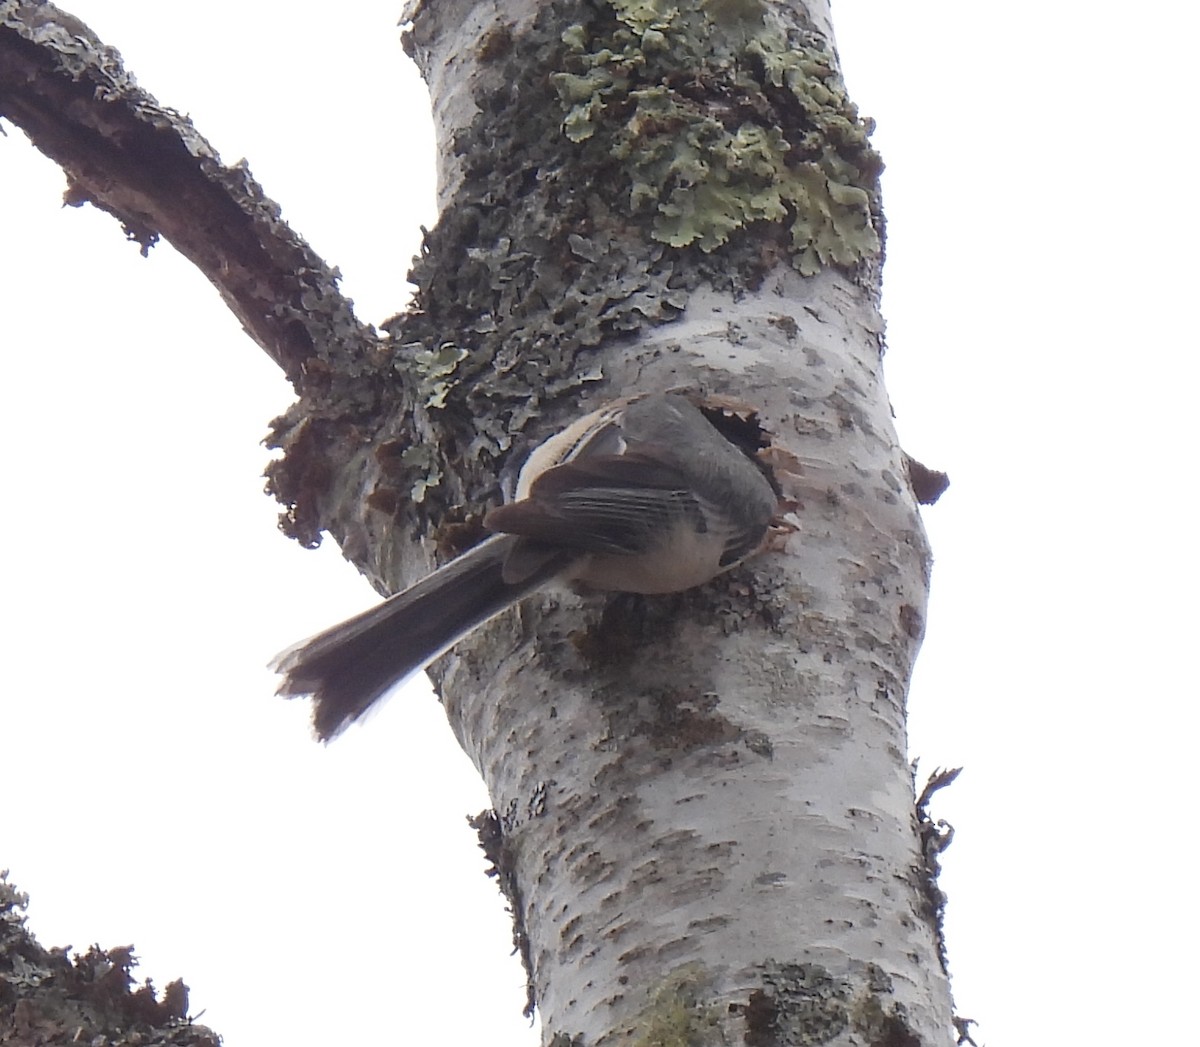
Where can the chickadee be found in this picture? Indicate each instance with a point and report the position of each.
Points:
(643, 495)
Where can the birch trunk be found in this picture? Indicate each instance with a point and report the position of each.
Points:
(703, 813)
(705, 820)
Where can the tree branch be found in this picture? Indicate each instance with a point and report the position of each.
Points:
(51, 996)
(146, 165)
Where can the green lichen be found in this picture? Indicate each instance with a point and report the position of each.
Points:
(723, 118)
(680, 1013)
(423, 465)
(434, 370)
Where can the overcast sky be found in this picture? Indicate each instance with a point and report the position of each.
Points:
(1040, 283)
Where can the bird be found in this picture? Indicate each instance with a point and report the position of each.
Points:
(643, 495)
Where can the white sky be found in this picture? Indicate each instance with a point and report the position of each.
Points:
(1041, 270)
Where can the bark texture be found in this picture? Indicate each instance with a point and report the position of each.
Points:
(704, 817)
(703, 812)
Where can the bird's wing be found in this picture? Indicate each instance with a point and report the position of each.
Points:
(603, 503)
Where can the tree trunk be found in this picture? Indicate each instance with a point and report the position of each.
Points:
(703, 816)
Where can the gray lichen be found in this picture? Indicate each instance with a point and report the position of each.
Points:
(798, 1004)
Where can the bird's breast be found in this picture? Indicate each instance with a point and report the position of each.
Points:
(689, 558)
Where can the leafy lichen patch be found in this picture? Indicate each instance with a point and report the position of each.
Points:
(623, 152)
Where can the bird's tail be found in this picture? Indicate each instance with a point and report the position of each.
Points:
(349, 667)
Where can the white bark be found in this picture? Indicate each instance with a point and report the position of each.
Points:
(446, 46)
(770, 815)
(692, 820)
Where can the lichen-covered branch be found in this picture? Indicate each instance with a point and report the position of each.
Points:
(50, 996)
(146, 165)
